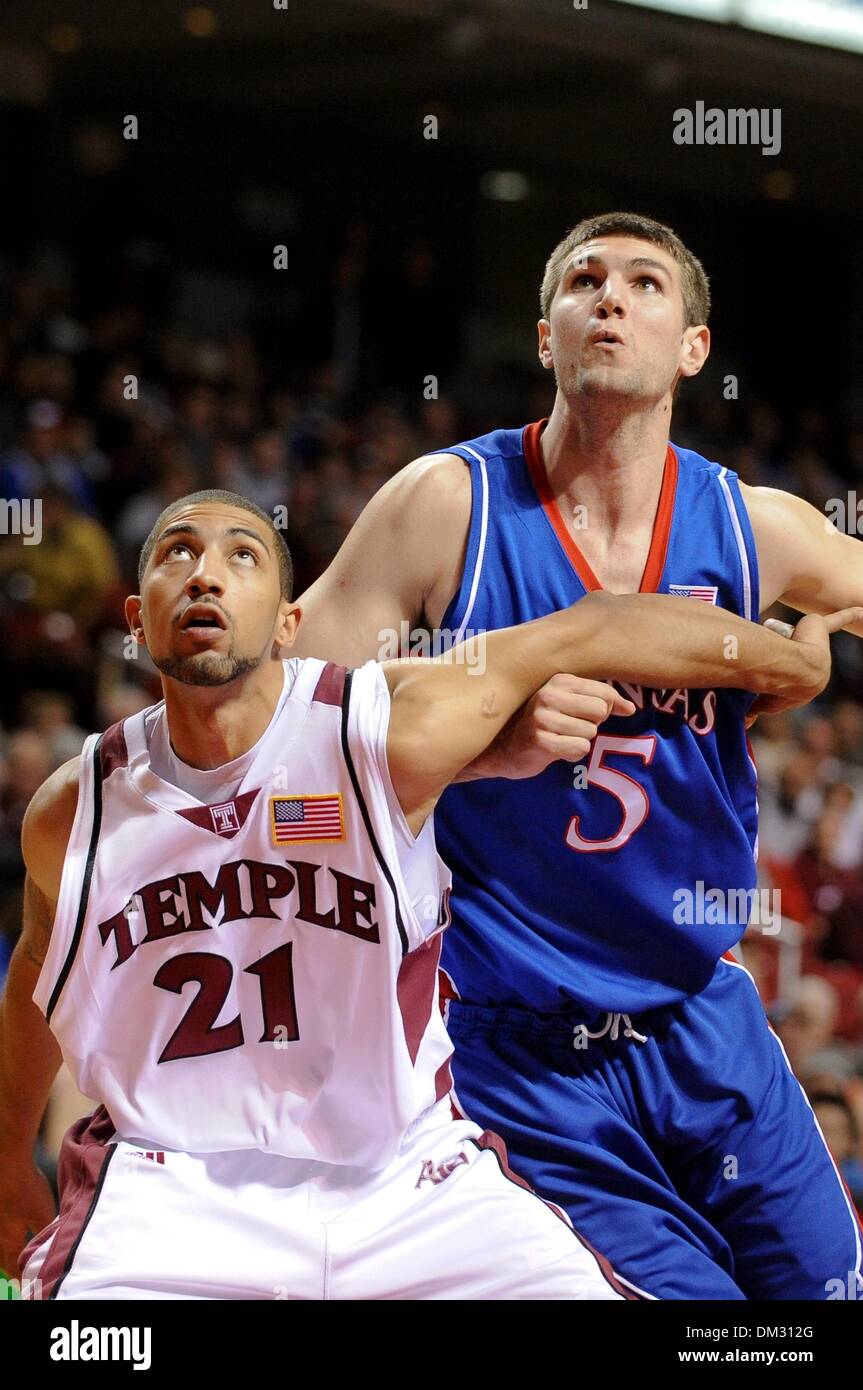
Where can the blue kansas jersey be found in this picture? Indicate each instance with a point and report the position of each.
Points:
(594, 884)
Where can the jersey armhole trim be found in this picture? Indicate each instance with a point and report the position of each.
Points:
(85, 886)
(742, 528)
(464, 597)
(480, 551)
(367, 822)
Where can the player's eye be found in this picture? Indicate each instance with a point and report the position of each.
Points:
(580, 277)
(648, 280)
(246, 550)
(177, 545)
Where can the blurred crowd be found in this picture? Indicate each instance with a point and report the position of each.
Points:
(109, 412)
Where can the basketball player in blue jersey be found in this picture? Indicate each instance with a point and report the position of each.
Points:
(602, 1024)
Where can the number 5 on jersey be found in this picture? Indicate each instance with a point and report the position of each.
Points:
(633, 799)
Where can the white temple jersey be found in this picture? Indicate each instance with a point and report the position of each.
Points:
(260, 973)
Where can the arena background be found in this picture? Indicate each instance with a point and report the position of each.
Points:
(417, 162)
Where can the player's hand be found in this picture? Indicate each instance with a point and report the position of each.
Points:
(814, 631)
(26, 1207)
(559, 721)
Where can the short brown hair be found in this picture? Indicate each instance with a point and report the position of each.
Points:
(230, 499)
(693, 279)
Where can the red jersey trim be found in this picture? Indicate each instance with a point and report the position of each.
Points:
(656, 555)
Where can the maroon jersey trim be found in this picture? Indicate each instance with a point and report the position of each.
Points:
(84, 1157)
(330, 689)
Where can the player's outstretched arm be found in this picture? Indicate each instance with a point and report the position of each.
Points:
(29, 1055)
(803, 560)
(446, 711)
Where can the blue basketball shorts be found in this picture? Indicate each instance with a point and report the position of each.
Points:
(678, 1141)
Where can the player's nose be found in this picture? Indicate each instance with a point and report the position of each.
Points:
(206, 576)
(612, 299)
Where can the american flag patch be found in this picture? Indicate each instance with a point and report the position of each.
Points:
(294, 819)
(706, 592)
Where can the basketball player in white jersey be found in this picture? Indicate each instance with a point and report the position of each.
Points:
(233, 916)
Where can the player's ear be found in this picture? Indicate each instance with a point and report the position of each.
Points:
(694, 349)
(132, 608)
(545, 353)
(287, 622)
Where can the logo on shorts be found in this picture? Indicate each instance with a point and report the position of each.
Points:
(438, 1172)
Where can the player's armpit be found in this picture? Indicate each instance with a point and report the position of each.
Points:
(400, 564)
(803, 560)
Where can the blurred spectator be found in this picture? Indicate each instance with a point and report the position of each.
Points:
(774, 742)
(44, 460)
(835, 895)
(848, 731)
(27, 763)
(786, 812)
(72, 568)
(848, 803)
(839, 1127)
(175, 478)
(807, 1023)
(49, 713)
(263, 474)
(119, 703)
(197, 424)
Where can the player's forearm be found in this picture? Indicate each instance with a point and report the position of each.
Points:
(808, 603)
(447, 712)
(658, 640)
(29, 1060)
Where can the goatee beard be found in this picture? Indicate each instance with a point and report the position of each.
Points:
(206, 668)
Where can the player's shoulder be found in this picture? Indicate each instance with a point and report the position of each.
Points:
(437, 481)
(443, 480)
(47, 825)
(421, 514)
(694, 463)
(782, 516)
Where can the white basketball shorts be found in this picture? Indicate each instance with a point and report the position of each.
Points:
(443, 1220)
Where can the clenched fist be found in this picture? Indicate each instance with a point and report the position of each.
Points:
(560, 721)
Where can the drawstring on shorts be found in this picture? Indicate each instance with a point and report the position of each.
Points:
(611, 1027)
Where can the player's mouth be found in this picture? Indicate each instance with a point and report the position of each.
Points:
(604, 338)
(203, 622)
